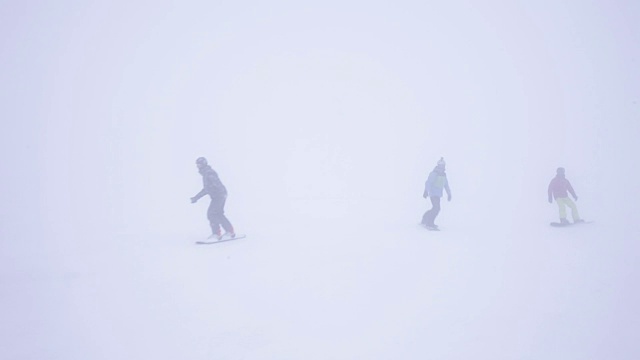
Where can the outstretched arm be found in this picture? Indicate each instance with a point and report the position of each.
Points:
(573, 193)
(550, 192)
(202, 193)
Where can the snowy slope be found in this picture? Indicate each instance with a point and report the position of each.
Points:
(396, 291)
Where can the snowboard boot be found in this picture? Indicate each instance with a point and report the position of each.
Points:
(564, 222)
(228, 236)
(215, 237)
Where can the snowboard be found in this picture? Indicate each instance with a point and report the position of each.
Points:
(212, 241)
(557, 224)
(430, 228)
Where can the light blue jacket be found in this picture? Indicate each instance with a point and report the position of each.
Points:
(436, 182)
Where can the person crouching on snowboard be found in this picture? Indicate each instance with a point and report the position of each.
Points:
(559, 188)
(213, 187)
(436, 182)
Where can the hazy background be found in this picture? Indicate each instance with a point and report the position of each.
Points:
(321, 118)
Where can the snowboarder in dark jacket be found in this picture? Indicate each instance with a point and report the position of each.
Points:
(213, 187)
(433, 187)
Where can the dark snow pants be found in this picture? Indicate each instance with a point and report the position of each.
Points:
(430, 216)
(216, 216)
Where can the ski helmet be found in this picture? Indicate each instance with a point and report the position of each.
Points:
(441, 162)
(560, 171)
(201, 161)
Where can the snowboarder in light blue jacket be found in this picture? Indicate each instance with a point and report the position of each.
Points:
(433, 188)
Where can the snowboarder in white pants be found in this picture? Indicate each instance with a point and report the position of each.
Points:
(559, 189)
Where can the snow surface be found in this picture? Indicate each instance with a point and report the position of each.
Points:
(323, 121)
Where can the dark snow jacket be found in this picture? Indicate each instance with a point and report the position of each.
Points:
(212, 185)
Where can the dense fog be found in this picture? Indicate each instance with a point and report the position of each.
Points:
(323, 121)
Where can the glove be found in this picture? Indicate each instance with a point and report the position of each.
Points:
(449, 197)
(193, 200)
(424, 195)
(550, 201)
(576, 198)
